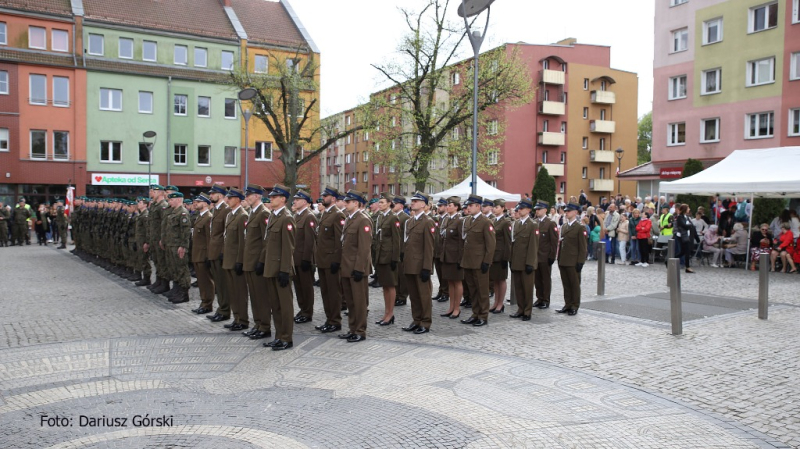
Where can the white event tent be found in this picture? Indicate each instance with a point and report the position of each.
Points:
(464, 190)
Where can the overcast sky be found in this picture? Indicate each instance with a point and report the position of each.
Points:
(352, 34)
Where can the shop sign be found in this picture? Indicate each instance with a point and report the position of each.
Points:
(122, 179)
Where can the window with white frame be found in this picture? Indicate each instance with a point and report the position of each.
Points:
(200, 57)
(455, 135)
(794, 123)
(3, 34)
(347, 158)
(712, 31)
(203, 155)
(38, 89)
(454, 161)
(204, 106)
(110, 151)
(227, 60)
(585, 113)
(680, 40)
(603, 144)
(365, 157)
(4, 139)
(794, 71)
(37, 38)
(125, 48)
(709, 130)
(563, 187)
(585, 172)
(586, 84)
(347, 120)
(110, 99)
(763, 17)
(61, 91)
(761, 71)
(144, 153)
(230, 108)
(38, 144)
(676, 134)
(230, 156)
(711, 81)
(264, 151)
(61, 145)
(760, 125)
(59, 40)
(179, 154)
(393, 99)
(394, 121)
(179, 104)
(563, 157)
(677, 2)
(603, 85)
(348, 139)
(393, 189)
(96, 44)
(376, 169)
(544, 157)
(585, 143)
(145, 102)
(546, 126)
(3, 82)
(366, 136)
(456, 78)
(149, 51)
(181, 55)
(491, 129)
(677, 87)
(261, 64)
(375, 189)
(564, 125)
(795, 12)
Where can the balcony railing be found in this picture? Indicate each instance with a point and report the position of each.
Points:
(603, 126)
(552, 107)
(603, 97)
(601, 185)
(553, 77)
(547, 138)
(554, 169)
(601, 156)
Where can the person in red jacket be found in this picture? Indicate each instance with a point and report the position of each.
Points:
(643, 236)
(784, 248)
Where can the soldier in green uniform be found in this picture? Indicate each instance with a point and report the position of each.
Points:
(418, 233)
(141, 258)
(356, 263)
(22, 216)
(441, 211)
(328, 257)
(571, 256)
(158, 208)
(277, 257)
(498, 273)
(401, 292)
(387, 255)
(176, 242)
(5, 216)
(479, 245)
(524, 236)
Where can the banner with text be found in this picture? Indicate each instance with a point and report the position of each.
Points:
(122, 179)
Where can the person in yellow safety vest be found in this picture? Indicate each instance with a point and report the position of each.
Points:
(665, 222)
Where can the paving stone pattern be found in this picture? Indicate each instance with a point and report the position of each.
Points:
(77, 341)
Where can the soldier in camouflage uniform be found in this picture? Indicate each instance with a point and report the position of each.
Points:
(61, 223)
(175, 237)
(5, 217)
(158, 208)
(141, 229)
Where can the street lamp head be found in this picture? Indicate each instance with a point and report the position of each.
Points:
(619, 152)
(149, 134)
(469, 8)
(247, 94)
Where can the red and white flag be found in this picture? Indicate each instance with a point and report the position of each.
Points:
(68, 202)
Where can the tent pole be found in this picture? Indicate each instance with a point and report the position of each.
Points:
(749, 230)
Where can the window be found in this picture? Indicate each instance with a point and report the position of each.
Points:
(602, 173)
(603, 144)
(585, 172)
(546, 126)
(365, 157)
(110, 151)
(546, 64)
(602, 114)
(455, 134)
(759, 125)
(454, 162)
(38, 89)
(794, 125)
(59, 40)
(456, 78)
(585, 143)
(125, 48)
(260, 64)
(149, 51)
(680, 40)
(795, 14)
(3, 34)
(709, 130)
(347, 120)
(38, 144)
(204, 155)
(677, 87)
(562, 187)
(712, 31)
(794, 71)
(292, 65)
(393, 100)
(585, 113)
(544, 157)
(144, 153)
(179, 154)
(366, 136)
(230, 156)
(761, 72)
(96, 44)
(491, 130)
(586, 84)
(110, 100)
(227, 60)
(230, 108)
(204, 106)
(3, 82)
(200, 57)
(180, 102)
(763, 17)
(603, 85)
(563, 157)
(711, 82)
(264, 151)
(563, 127)
(347, 158)
(547, 95)
(60, 145)
(376, 169)
(145, 102)
(677, 2)
(181, 55)
(676, 134)
(61, 91)
(3, 139)
(37, 38)
(348, 139)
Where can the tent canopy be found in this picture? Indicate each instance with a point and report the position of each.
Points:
(464, 190)
(767, 173)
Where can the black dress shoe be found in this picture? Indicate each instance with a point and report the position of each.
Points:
(355, 338)
(479, 323)
(516, 315)
(270, 344)
(543, 305)
(411, 327)
(302, 319)
(194, 284)
(330, 328)
(502, 309)
(526, 318)
(281, 345)
(446, 314)
(385, 323)
(437, 297)
(218, 318)
(229, 325)
(400, 302)
(563, 310)
(202, 310)
(345, 336)
(467, 305)
(250, 332)
(455, 317)
(572, 312)
(258, 335)
(422, 330)
(238, 327)
(319, 327)
(470, 320)
(444, 298)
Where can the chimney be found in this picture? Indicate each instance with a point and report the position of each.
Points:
(225, 3)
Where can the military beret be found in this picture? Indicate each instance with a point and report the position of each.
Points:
(419, 196)
(156, 187)
(319, 200)
(300, 194)
(280, 190)
(21, 199)
(354, 195)
(171, 188)
(175, 195)
(187, 201)
(473, 199)
(265, 200)
(373, 201)
(234, 192)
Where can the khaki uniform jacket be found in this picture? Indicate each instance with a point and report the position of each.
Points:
(479, 243)
(215, 245)
(201, 234)
(305, 236)
(419, 237)
(502, 233)
(255, 227)
(234, 238)
(177, 229)
(356, 245)
(402, 216)
(157, 212)
(329, 238)
(388, 237)
(525, 246)
(548, 240)
(278, 252)
(573, 243)
(451, 233)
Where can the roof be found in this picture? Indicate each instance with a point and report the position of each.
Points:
(267, 22)
(652, 170)
(36, 57)
(157, 70)
(57, 7)
(198, 17)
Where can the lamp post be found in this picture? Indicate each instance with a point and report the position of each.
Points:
(471, 8)
(245, 95)
(619, 152)
(149, 135)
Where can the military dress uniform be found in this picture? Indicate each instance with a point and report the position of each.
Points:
(201, 234)
(571, 257)
(278, 257)
(548, 248)
(178, 234)
(253, 266)
(524, 259)
(451, 239)
(328, 256)
(356, 264)
(387, 246)
(419, 232)
(305, 242)
(235, 282)
(479, 246)
(443, 294)
(502, 250)
(401, 294)
(216, 245)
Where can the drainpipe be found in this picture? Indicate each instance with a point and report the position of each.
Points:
(169, 124)
(74, 58)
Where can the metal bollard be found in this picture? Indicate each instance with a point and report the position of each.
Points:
(671, 253)
(674, 281)
(763, 286)
(600, 252)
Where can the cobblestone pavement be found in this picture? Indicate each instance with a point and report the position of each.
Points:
(83, 348)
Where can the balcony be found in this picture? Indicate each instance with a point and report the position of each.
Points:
(552, 107)
(601, 185)
(547, 138)
(601, 156)
(553, 77)
(602, 126)
(554, 169)
(603, 97)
